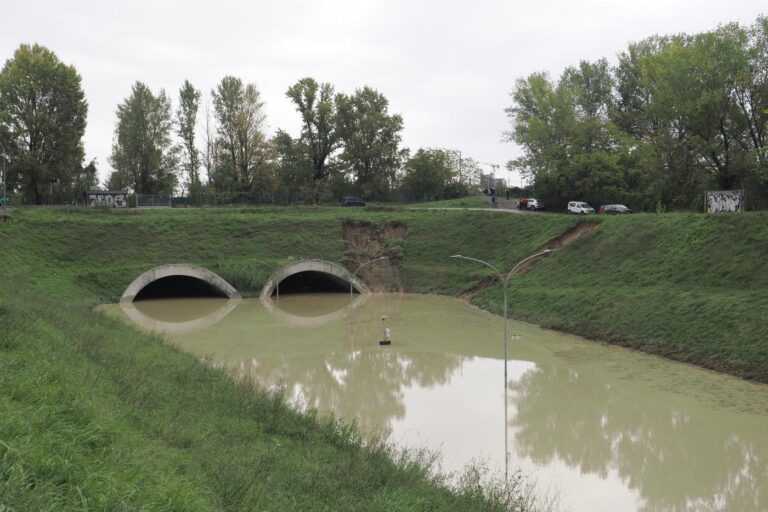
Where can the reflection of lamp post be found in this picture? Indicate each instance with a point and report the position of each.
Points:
(504, 281)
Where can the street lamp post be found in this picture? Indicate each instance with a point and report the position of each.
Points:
(505, 282)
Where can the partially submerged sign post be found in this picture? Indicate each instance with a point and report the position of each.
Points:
(108, 198)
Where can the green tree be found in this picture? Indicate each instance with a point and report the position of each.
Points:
(371, 139)
(571, 147)
(186, 122)
(751, 93)
(428, 174)
(318, 106)
(42, 121)
(143, 154)
(294, 165)
(245, 157)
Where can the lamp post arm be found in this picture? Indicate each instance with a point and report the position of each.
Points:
(509, 274)
(501, 277)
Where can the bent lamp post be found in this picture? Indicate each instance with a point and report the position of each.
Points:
(504, 282)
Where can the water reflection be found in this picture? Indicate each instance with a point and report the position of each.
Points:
(296, 310)
(612, 429)
(178, 316)
(677, 453)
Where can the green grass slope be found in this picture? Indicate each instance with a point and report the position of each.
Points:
(94, 415)
(690, 287)
(97, 416)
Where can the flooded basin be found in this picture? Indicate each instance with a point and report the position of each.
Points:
(605, 428)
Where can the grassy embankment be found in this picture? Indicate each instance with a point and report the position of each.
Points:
(462, 202)
(137, 423)
(97, 416)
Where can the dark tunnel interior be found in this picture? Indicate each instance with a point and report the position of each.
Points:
(312, 282)
(176, 287)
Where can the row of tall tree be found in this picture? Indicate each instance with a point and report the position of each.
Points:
(676, 116)
(348, 143)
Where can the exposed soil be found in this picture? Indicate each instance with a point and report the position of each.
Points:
(569, 236)
(559, 241)
(366, 241)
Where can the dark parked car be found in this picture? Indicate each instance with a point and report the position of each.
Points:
(614, 209)
(352, 201)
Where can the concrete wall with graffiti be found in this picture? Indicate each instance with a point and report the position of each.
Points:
(108, 198)
(725, 201)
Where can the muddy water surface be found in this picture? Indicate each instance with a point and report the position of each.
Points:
(606, 428)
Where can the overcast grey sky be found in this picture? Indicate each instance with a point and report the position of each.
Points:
(447, 67)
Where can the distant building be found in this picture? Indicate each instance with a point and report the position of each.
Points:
(489, 181)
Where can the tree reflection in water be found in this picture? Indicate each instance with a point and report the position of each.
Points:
(366, 386)
(682, 439)
(678, 461)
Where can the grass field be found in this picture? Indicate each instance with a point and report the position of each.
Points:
(94, 415)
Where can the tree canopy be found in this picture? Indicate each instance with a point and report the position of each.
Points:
(42, 121)
(675, 116)
(143, 154)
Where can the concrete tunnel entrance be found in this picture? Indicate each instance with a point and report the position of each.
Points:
(308, 276)
(175, 287)
(312, 281)
(178, 280)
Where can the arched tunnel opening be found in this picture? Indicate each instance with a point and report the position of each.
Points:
(178, 287)
(311, 281)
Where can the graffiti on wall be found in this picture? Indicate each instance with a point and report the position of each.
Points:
(110, 199)
(725, 201)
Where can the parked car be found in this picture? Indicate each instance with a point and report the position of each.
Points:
(579, 208)
(534, 204)
(352, 201)
(614, 209)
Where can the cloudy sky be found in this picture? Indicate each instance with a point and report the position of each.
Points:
(446, 66)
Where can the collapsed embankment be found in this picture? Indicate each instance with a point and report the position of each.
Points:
(117, 403)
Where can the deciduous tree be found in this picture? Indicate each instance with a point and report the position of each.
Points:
(245, 157)
(371, 138)
(317, 104)
(143, 154)
(42, 122)
(186, 124)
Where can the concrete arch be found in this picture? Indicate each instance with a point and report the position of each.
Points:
(178, 269)
(325, 267)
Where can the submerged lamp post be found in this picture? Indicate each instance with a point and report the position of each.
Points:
(504, 282)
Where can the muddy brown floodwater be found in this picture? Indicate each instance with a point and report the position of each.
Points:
(605, 428)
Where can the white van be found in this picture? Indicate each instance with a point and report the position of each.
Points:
(579, 208)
